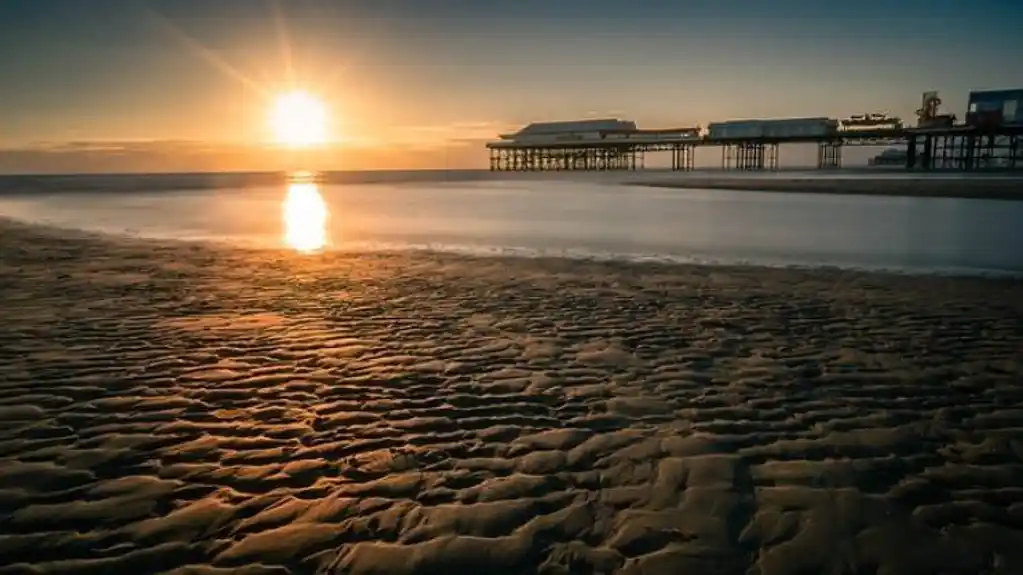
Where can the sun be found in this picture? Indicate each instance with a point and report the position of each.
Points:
(299, 119)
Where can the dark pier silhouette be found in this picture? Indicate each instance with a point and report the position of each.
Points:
(988, 140)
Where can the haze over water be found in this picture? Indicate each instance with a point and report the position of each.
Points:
(578, 218)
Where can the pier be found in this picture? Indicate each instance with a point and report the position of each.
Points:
(958, 148)
(986, 141)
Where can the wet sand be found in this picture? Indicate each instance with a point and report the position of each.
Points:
(197, 410)
(990, 188)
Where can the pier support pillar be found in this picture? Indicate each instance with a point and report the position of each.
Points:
(946, 154)
(771, 156)
(990, 154)
(750, 155)
(927, 158)
(557, 159)
(682, 157)
(829, 155)
(970, 157)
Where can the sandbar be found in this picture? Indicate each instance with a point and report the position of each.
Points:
(984, 187)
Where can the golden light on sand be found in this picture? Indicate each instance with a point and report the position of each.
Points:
(299, 119)
(306, 218)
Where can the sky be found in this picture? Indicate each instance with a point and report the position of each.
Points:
(187, 85)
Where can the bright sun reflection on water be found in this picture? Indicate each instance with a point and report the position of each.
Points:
(305, 217)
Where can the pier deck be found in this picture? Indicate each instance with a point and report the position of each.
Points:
(957, 147)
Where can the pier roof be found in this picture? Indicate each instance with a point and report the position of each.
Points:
(574, 126)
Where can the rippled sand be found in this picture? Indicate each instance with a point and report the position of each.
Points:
(184, 409)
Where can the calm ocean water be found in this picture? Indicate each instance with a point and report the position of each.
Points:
(579, 216)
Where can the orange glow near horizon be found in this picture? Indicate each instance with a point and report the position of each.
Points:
(305, 217)
(265, 106)
(299, 119)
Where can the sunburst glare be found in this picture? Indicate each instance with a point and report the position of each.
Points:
(299, 119)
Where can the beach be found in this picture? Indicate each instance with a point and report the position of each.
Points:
(204, 410)
(989, 188)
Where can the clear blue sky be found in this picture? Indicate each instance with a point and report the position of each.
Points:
(193, 76)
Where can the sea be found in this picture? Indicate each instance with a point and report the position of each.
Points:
(574, 215)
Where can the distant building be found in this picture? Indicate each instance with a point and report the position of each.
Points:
(995, 108)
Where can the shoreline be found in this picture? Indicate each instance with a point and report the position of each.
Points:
(1007, 185)
(181, 408)
(1005, 189)
(524, 255)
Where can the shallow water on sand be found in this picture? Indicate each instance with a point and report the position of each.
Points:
(574, 218)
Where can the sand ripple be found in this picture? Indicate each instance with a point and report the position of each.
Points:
(181, 409)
